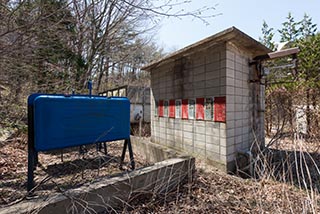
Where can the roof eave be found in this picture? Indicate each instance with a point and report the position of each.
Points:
(230, 34)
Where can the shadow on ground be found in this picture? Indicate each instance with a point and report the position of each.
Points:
(297, 168)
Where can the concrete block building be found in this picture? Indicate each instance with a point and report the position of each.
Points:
(208, 99)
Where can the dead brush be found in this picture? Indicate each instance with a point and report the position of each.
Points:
(292, 168)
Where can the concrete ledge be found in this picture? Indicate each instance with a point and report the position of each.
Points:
(153, 152)
(107, 194)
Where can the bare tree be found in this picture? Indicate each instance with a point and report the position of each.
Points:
(57, 45)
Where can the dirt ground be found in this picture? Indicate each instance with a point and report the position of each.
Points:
(210, 191)
(289, 182)
(213, 191)
(55, 174)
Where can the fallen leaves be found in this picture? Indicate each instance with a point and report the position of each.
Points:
(213, 191)
(73, 171)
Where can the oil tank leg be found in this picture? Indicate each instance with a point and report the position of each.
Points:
(31, 166)
(61, 155)
(123, 152)
(131, 154)
(36, 159)
(127, 143)
(105, 148)
(32, 154)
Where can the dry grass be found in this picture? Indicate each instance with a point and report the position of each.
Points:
(213, 191)
(210, 191)
(53, 174)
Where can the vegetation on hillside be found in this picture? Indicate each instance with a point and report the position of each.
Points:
(56, 46)
(293, 85)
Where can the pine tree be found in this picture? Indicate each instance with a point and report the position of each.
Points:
(53, 50)
(305, 82)
(267, 36)
(290, 30)
(307, 28)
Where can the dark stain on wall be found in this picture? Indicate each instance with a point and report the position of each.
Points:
(179, 74)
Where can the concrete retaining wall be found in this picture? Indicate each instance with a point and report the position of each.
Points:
(106, 194)
(152, 152)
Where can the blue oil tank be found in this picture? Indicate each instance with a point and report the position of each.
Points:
(67, 121)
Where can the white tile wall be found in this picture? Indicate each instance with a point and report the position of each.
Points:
(219, 71)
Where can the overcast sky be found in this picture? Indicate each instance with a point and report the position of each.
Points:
(246, 15)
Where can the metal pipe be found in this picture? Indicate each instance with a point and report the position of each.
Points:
(90, 87)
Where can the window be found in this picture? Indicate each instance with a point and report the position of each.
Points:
(172, 106)
(109, 93)
(160, 108)
(208, 106)
(184, 113)
(178, 108)
(220, 109)
(166, 108)
(122, 92)
(200, 108)
(156, 103)
(192, 110)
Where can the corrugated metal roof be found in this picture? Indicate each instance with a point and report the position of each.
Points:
(231, 34)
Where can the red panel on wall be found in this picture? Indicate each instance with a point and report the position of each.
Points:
(185, 109)
(160, 108)
(220, 109)
(200, 108)
(172, 109)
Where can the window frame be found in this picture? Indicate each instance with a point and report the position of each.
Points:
(156, 108)
(192, 116)
(165, 108)
(212, 109)
(178, 114)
